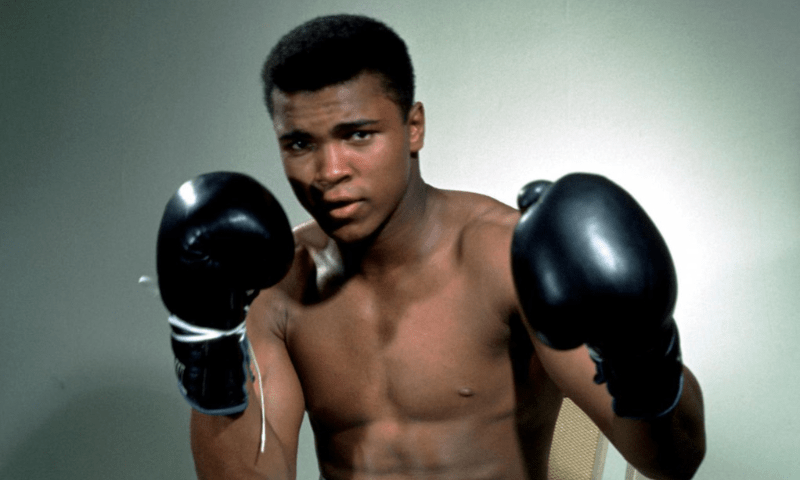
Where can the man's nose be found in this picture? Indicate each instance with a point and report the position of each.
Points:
(332, 165)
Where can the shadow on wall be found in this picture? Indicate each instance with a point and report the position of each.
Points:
(120, 432)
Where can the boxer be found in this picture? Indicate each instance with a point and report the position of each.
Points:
(427, 333)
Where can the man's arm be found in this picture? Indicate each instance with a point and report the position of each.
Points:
(596, 281)
(228, 447)
(668, 447)
(223, 238)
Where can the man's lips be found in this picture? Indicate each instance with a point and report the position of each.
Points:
(341, 209)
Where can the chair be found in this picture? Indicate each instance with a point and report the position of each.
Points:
(579, 449)
(633, 474)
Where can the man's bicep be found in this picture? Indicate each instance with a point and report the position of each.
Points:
(573, 372)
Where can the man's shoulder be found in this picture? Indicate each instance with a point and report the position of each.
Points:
(308, 239)
(317, 264)
(484, 243)
(308, 236)
(485, 227)
(482, 218)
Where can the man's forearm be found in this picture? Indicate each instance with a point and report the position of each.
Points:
(670, 447)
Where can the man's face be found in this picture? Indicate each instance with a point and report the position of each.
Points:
(348, 153)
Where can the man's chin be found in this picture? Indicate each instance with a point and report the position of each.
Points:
(342, 231)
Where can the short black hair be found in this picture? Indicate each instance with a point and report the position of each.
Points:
(333, 49)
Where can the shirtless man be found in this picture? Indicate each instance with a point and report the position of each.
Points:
(398, 327)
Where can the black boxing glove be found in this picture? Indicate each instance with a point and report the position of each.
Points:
(591, 268)
(223, 237)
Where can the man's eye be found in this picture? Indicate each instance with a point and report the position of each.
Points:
(361, 135)
(298, 145)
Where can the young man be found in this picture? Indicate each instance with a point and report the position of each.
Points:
(398, 327)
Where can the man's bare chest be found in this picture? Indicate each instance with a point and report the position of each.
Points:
(429, 350)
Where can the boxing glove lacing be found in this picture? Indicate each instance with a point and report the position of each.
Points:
(203, 334)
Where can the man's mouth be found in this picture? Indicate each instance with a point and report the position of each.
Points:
(342, 209)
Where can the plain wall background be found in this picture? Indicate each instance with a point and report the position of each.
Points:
(692, 105)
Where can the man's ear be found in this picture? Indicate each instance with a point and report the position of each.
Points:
(416, 127)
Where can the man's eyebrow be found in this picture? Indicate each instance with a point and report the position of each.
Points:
(339, 129)
(354, 125)
(294, 135)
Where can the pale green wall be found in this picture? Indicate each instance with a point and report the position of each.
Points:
(106, 107)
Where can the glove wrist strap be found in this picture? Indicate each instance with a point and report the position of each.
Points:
(644, 385)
